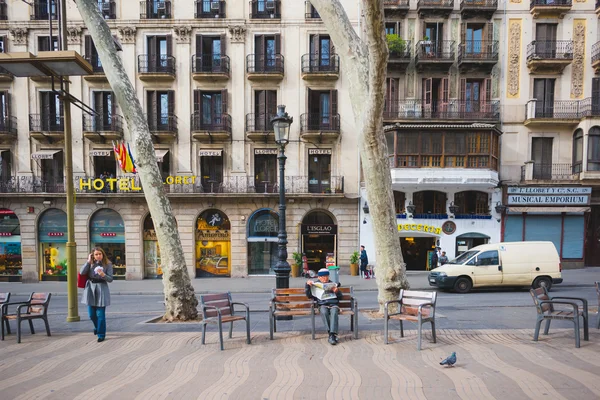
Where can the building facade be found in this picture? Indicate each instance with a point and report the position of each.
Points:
(550, 164)
(209, 75)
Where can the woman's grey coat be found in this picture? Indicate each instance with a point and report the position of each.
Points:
(96, 294)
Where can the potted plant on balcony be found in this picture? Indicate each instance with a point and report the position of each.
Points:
(354, 263)
(396, 45)
(297, 263)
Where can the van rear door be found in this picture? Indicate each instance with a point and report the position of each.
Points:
(486, 271)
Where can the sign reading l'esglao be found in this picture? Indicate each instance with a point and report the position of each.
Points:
(549, 190)
(318, 229)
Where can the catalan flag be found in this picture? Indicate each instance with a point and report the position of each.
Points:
(124, 157)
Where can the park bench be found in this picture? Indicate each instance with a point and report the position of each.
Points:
(219, 308)
(4, 298)
(598, 294)
(413, 306)
(293, 302)
(36, 307)
(570, 310)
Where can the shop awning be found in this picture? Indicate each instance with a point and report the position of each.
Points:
(160, 154)
(210, 152)
(44, 154)
(473, 235)
(547, 210)
(100, 153)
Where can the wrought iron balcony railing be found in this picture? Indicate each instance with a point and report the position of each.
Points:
(442, 50)
(263, 9)
(259, 122)
(319, 122)
(550, 50)
(478, 4)
(478, 50)
(550, 3)
(210, 63)
(210, 122)
(435, 4)
(94, 61)
(156, 64)
(8, 125)
(42, 9)
(155, 9)
(320, 64)
(310, 11)
(558, 109)
(395, 3)
(102, 123)
(404, 54)
(46, 123)
(590, 107)
(3, 11)
(108, 9)
(210, 9)
(453, 109)
(264, 64)
(596, 51)
(554, 172)
(162, 123)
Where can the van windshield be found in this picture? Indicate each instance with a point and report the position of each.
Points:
(464, 257)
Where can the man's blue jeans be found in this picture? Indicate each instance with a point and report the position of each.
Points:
(98, 317)
(330, 317)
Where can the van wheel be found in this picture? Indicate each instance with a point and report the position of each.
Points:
(463, 285)
(542, 281)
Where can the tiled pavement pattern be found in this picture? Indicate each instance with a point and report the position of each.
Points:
(492, 364)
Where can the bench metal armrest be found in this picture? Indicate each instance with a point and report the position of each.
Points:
(568, 303)
(425, 305)
(386, 313)
(584, 301)
(240, 304)
(4, 306)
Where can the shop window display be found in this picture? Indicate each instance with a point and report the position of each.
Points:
(213, 244)
(107, 231)
(52, 237)
(10, 247)
(152, 259)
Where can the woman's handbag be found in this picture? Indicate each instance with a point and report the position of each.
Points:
(81, 280)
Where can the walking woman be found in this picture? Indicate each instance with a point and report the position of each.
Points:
(96, 294)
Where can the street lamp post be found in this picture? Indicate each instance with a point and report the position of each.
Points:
(281, 125)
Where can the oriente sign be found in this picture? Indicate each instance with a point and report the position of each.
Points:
(129, 184)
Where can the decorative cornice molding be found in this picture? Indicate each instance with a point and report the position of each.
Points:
(514, 57)
(238, 33)
(74, 34)
(183, 34)
(127, 34)
(19, 36)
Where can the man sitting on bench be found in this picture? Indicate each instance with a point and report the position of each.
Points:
(327, 295)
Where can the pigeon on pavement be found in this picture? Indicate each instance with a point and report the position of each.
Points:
(450, 361)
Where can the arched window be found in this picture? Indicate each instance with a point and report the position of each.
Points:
(577, 151)
(594, 149)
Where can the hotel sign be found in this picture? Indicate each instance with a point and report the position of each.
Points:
(543, 196)
(319, 151)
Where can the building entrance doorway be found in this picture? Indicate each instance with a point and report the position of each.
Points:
(319, 238)
(417, 251)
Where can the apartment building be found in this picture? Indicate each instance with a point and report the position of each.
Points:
(551, 121)
(209, 75)
(442, 122)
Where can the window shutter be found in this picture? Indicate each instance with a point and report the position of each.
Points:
(88, 46)
(427, 83)
(98, 104)
(113, 103)
(314, 43)
(259, 45)
(463, 33)
(223, 44)
(261, 102)
(445, 93)
(418, 202)
(151, 47)
(198, 45)
(277, 44)
(171, 107)
(596, 89)
(271, 103)
(169, 45)
(463, 89)
(152, 106)
(197, 102)
(224, 101)
(334, 103)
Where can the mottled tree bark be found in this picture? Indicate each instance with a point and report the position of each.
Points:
(364, 61)
(180, 300)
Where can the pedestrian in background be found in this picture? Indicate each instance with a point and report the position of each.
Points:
(96, 294)
(443, 258)
(364, 261)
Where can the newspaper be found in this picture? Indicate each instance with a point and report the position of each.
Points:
(323, 291)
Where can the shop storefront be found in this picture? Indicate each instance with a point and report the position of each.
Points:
(107, 231)
(319, 238)
(52, 239)
(418, 241)
(10, 247)
(213, 244)
(555, 214)
(152, 262)
(263, 227)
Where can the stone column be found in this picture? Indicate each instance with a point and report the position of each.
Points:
(76, 90)
(183, 106)
(236, 51)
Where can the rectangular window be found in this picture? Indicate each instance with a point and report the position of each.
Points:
(209, 107)
(267, 50)
(105, 107)
(319, 173)
(52, 174)
(161, 107)
(322, 110)
(543, 92)
(211, 168)
(44, 43)
(541, 155)
(265, 173)
(321, 51)
(209, 52)
(51, 112)
(159, 57)
(265, 108)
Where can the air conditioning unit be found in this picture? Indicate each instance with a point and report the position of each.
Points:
(106, 6)
(215, 6)
(270, 5)
(161, 5)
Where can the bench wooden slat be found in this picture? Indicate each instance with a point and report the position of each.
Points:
(295, 312)
(414, 302)
(289, 291)
(417, 294)
(207, 298)
(293, 305)
(291, 298)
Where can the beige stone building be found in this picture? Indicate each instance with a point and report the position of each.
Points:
(209, 75)
(551, 122)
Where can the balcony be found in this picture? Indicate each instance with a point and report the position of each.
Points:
(596, 56)
(315, 67)
(477, 55)
(155, 9)
(209, 9)
(435, 8)
(108, 9)
(265, 9)
(598, 7)
(435, 55)
(264, 67)
(8, 129)
(310, 13)
(259, 127)
(163, 128)
(558, 113)
(549, 56)
(399, 60)
(476, 8)
(211, 128)
(5, 76)
(533, 171)
(210, 68)
(396, 8)
(3, 11)
(46, 128)
(452, 110)
(40, 12)
(321, 127)
(156, 68)
(549, 8)
(102, 128)
(98, 75)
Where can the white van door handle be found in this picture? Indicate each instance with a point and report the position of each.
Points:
(499, 267)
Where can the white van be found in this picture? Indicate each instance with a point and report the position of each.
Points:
(533, 264)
